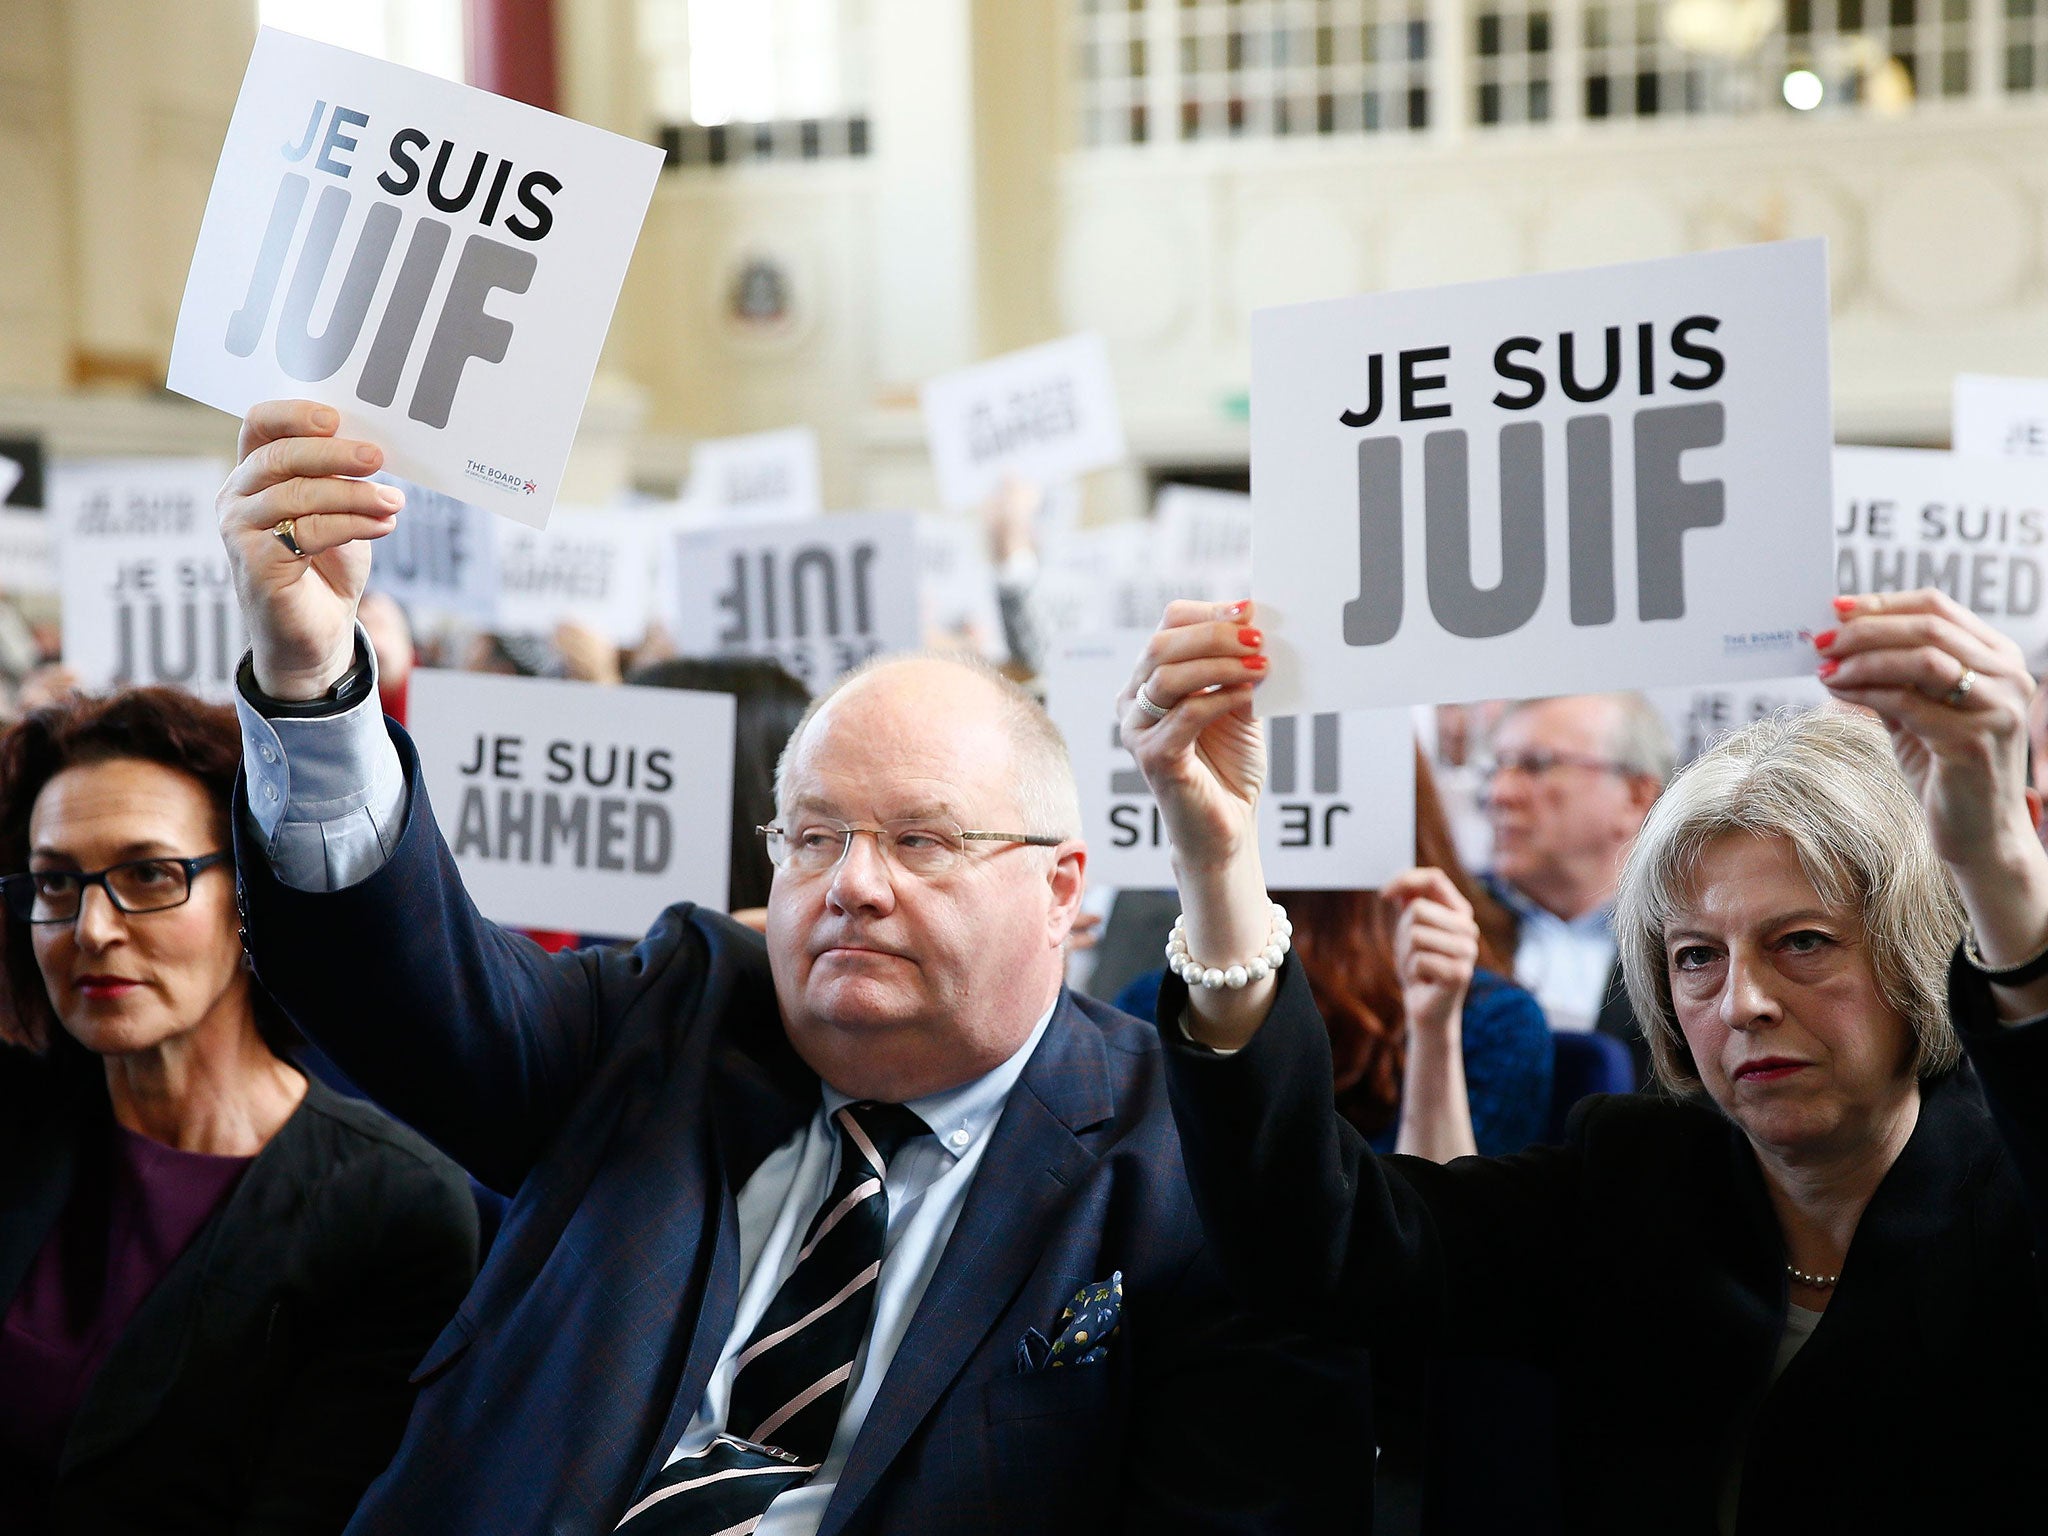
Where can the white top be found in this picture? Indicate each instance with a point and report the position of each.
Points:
(1566, 963)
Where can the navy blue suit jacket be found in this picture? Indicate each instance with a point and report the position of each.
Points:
(624, 1096)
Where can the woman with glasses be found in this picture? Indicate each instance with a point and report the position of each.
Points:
(1801, 1289)
(215, 1273)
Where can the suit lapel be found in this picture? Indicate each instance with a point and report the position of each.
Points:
(1020, 1187)
(49, 1121)
(758, 1101)
(1909, 1257)
(240, 1240)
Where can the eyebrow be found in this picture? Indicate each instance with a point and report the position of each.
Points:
(924, 812)
(1777, 920)
(148, 848)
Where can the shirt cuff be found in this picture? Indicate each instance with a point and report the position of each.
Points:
(327, 795)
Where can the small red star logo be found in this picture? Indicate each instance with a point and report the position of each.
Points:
(530, 487)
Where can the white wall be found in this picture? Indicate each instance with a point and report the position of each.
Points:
(1936, 226)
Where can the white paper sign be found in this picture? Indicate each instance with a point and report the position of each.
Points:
(437, 263)
(574, 806)
(956, 585)
(820, 597)
(593, 567)
(1699, 717)
(1047, 413)
(440, 556)
(1565, 483)
(1338, 812)
(28, 553)
(763, 477)
(1205, 533)
(1122, 575)
(147, 594)
(1997, 418)
(1975, 528)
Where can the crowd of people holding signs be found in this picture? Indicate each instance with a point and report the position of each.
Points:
(1497, 983)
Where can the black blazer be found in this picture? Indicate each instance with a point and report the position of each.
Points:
(628, 1094)
(262, 1384)
(1638, 1272)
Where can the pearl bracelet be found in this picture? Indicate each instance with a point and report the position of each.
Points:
(1279, 937)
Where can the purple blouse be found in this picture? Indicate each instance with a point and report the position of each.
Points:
(121, 1229)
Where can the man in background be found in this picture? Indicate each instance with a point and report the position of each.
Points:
(1570, 783)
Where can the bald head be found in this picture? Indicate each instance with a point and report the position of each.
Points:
(896, 982)
(956, 694)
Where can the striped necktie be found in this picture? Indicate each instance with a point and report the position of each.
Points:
(790, 1380)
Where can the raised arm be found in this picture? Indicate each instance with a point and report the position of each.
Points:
(1954, 694)
(294, 474)
(1436, 949)
(1303, 1217)
(1187, 719)
(354, 913)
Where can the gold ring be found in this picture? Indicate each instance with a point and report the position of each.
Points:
(285, 535)
(1961, 691)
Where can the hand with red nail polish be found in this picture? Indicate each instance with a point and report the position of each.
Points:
(1187, 718)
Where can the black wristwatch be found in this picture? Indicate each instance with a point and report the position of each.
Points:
(349, 690)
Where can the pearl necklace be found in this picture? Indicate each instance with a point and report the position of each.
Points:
(1818, 1282)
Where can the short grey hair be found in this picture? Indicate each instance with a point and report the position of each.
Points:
(1640, 742)
(1043, 780)
(1826, 781)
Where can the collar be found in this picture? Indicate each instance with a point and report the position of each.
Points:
(1599, 921)
(959, 1116)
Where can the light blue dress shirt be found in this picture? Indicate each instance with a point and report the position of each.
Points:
(327, 795)
(927, 1187)
(328, 798)
(1564, 961)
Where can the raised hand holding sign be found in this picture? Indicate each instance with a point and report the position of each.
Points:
(1187, 719)
(295, 475)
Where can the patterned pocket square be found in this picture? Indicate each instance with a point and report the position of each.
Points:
(1085, 1329)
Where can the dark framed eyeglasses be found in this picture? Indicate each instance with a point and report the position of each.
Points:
(918, 846)
(140, 885)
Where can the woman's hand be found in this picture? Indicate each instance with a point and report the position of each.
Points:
(586, 655)
(1204, 757)
(301, 612)
(1436, 949)
(1955, 695)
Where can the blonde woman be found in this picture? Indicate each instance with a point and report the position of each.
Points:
(1796, 1292)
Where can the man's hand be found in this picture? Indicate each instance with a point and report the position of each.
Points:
(301, 612)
